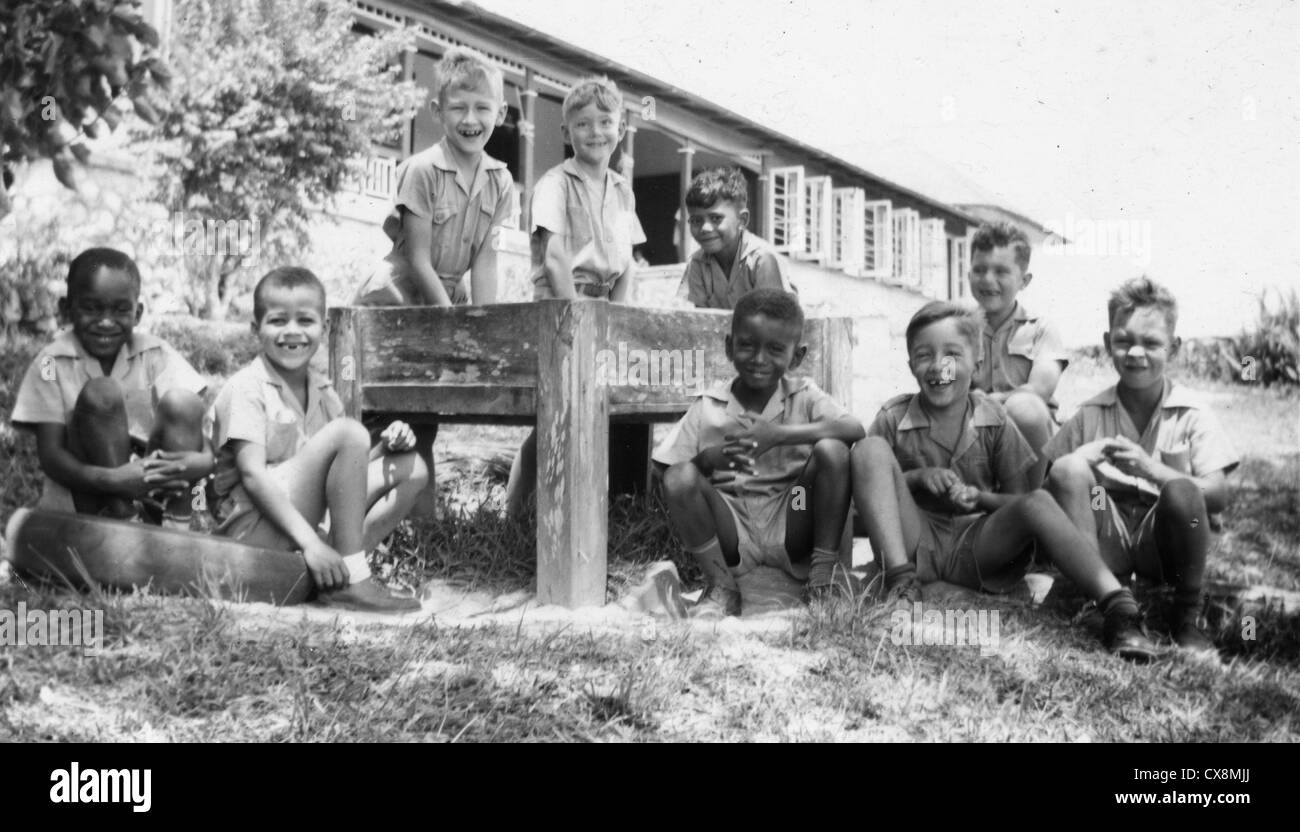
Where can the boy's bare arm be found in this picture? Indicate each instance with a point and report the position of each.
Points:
(131, 480)
(419, 242)
(762, 435)
(767, 273)
(559, 271)
(483, 278)
(623, 284)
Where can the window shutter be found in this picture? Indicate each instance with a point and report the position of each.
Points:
(817, 218)
(785, 198)
(958, 266)
(934, 258)
(907, 247)
(877, 239)
(846, 230)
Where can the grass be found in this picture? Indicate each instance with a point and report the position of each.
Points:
(193, 669)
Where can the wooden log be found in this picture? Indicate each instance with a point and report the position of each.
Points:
(572, 456)
(84, 549)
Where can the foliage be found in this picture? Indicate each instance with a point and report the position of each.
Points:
(68, 68)
(275, 106)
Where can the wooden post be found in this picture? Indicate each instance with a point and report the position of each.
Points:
(837, 360)
(527, 164)
(759, 224)
(572, 455)
(346, 358)
(408, 126)
(683, 221)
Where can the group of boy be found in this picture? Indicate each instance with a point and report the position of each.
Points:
(951, 483)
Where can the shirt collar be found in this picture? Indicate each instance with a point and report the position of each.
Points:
(1171, 397)
(262, 370)
(612, 177)
(720, 391)
(984, 412)
(440, 156)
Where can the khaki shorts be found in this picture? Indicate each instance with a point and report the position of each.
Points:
(760, 532)
(586, 291)
(238, 519)
(1126, 535)
(389, 286)
(946, 552)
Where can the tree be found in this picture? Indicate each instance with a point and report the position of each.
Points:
(274, 108)
(71, 68)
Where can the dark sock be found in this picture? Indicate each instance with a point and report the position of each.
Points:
(823, 567)
(1119, 602)
(713, 564)
(895, 575)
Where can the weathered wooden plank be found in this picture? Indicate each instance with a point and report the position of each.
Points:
(837, 359)
(486, 400)
(346, 358)
(572, 456)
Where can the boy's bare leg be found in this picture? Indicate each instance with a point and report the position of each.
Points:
(99, 434)
(178, 426)
(1034, 420)
(707, 530)
(1037, 516)
(815, 524)
(1183, 538)
(523, 478)
(1072, 484)
(890, 513)
(394, 484)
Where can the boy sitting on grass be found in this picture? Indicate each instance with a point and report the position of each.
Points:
(1157, 451)
(758, 468)
(1023, 353)
(286, 456)
(940, 483)
(117, 413)
(730, 261)
(584, 228)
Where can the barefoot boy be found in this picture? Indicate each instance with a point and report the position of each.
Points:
(286, 456)
(584, 228)
(1023, 353)
(730, 261)
(1156, 450)
(745, 454)
(116, 413)
(940, 483)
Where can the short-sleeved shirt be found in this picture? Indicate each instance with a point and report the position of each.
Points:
(717, 413)
(990, 451)
(597, 224)
(1011, 350)
(705, 285)
(256, 405)
(462, 213)
(146, 368)
(1183, 433)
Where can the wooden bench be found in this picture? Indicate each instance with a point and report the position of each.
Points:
(570, 367)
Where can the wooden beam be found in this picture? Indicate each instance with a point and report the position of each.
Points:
(683, 221)
(527, 162)
(572, 455)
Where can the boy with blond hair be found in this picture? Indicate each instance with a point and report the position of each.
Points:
(584, 227)
(1158, 453)
(1023, 356)
(940, 483)
(286, 456)
(117, 413)
(731, 260)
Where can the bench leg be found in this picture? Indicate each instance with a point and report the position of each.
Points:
(572, 458)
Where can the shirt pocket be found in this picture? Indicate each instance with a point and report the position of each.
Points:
(283, 435)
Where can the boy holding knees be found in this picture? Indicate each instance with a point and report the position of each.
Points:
(940, 482)
(1155, 450)
(742, 457)
(117, 413)
(730, 261)
(1023, 353)
(584, 228)
(286, 456)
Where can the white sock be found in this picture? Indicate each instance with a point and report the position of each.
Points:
(358, 569)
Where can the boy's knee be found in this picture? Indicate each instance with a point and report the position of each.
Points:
(1183, 497)
(1071, 472)
(1038, 502)
(101, 395)
(871, 450)
(350, 433)
(180, 407)
(830, 454)
(1028, 411)
(681, 479)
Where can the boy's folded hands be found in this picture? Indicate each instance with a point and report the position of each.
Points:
(1129, 457)
(757, 439)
